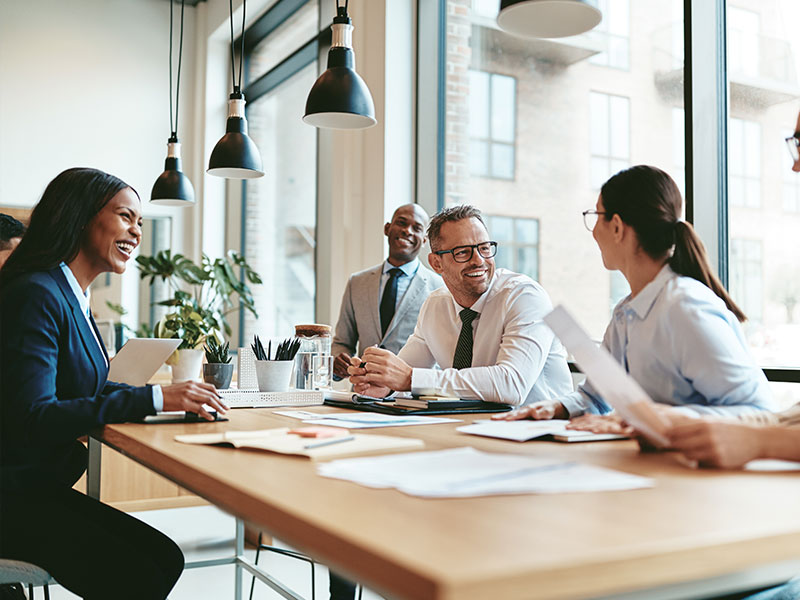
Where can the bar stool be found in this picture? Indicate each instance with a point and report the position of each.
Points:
(17, 571)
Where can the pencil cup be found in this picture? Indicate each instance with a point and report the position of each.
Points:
(273, 375)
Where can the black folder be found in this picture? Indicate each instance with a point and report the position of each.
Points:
(462, 407)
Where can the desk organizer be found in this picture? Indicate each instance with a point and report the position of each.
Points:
(247, 369)
(254, 399)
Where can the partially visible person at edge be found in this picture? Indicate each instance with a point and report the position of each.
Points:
(54, 390)
(678, 331)
(11, 232)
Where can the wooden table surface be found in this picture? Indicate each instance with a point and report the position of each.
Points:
(694, 524)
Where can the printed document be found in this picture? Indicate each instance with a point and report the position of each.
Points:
(467, 472)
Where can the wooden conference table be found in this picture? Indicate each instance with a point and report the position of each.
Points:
(696, 531)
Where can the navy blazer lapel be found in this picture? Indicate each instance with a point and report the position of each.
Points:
(79, 321)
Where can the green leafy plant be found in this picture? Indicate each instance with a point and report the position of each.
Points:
(216, 353)
(202, 295)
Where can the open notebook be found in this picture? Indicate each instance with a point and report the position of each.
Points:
(281, 441)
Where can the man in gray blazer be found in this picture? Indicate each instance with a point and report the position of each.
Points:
(381, 304)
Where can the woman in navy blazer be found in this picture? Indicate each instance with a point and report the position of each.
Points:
(53, 390)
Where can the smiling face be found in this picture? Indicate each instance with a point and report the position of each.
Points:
(466, 281)
(113, 234)
(406, 233)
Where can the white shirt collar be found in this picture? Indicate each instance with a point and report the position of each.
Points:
(409, 269)
(80, 295)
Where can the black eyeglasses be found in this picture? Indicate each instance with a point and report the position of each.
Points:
(590, 218)
(462, 254)
(793, 143)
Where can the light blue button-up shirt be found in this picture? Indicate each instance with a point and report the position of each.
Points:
(680, 342)
(403, 281)
(83, 301)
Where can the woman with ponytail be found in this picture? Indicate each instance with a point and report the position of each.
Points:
(678, 332)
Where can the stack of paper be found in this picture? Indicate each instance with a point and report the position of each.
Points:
(463, 472)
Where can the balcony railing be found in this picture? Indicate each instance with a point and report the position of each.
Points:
(761, 69)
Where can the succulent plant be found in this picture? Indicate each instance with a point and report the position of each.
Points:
(216, 353)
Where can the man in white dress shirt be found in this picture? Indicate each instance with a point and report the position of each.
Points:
(483, 330)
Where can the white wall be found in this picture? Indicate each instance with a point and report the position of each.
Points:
(86, 83)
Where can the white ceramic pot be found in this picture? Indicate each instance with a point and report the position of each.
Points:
(273, 375)
(187, 365)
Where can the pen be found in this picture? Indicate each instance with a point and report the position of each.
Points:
(335, 440)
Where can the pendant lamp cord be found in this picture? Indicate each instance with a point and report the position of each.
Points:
(346, 3)
(174, 126)
(237, 88)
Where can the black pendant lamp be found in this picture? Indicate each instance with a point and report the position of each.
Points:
(236, 156)
(172, 187)
(547, 18)
(340, 99)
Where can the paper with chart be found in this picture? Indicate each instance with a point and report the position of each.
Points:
(467, 472)
(608, 377)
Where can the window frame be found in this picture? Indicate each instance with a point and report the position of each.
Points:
(490, 140)
(304, 54)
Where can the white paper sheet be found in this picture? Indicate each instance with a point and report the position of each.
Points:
(466, 472)
(518, 431)
(525, 430)
(608, 377)
(366, 420)
(298, 414)
(772, 464)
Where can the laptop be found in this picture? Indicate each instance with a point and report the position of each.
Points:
(139, 359)
(607, 376)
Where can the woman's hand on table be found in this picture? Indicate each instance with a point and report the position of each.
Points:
(190, 396)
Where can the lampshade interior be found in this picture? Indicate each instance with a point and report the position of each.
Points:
(548, 18)
(170, 201)
(339, 120)
(235, 173)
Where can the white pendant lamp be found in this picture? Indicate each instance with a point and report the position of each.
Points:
(547, 18)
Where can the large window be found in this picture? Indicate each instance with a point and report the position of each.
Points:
(609, 138)
(764, 194)
(747, 281)
(279, 209)
(615, 31)
(518, 243)
(744, 166)
(574, 124)
(492, 107)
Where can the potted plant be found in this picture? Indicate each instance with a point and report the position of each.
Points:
(202, 297)
(218, 369)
